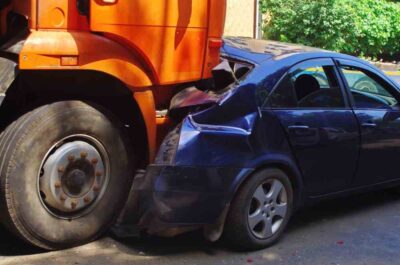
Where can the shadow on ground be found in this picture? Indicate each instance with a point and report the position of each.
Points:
(329, 210)
(13, 246)
(312, 230)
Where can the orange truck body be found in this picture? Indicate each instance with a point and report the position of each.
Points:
(150, 46)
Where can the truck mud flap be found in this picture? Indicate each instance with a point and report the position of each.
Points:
(8, 73)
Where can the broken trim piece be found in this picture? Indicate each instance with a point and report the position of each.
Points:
(218, 128)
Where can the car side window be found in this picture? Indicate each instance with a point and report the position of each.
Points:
(308, 85)
(368, 90)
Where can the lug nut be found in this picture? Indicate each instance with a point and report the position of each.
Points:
(63, 197)
(71, 158)
(96, 188)
(84, 154)
(86, 199)
(57, 185)
(74, 204)
(61, 169)
(99, 174)
(94, 160)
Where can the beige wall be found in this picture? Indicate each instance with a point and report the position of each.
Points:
(240, 18)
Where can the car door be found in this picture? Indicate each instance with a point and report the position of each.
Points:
(375, 101)
(321, 127)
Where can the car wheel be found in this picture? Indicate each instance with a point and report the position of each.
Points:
(65, 173)
(260, 211)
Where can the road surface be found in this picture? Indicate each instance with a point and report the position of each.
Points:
(359, 230)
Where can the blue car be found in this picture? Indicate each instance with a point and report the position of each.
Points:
(280, 126)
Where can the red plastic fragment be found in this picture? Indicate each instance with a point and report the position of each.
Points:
(340, 242)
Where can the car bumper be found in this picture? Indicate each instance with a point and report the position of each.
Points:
(168, 200)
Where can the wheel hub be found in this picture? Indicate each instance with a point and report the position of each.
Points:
(77, 182)
(72, 178)
(268, 209)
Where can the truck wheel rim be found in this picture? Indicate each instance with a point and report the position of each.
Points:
(73, 176)
(268, 209)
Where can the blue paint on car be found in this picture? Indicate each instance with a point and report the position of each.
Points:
(341, 138)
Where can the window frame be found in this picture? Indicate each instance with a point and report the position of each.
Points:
(323, 61)
(385, 82)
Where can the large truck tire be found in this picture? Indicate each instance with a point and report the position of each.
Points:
(65, 172)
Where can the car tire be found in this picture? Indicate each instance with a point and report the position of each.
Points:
(56, 207)
(251, 216)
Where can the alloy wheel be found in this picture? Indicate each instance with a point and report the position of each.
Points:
(268, 209)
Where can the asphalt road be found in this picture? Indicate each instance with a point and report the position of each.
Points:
(360, 230)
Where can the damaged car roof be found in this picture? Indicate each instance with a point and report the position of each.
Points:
(258, 51)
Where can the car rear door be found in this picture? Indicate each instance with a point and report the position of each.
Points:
(375, 101)
(320, 125)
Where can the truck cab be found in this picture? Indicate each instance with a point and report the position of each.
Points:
(119, 61)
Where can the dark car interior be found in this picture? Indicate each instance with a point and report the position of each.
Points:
(369, 100)
(227, 73)
(317, 89)
(367, 91)
(305, 85)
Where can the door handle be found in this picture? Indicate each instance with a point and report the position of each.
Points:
(369, 124)
(300, 130)
(299, 127)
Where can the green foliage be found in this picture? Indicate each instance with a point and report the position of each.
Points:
(361, 27)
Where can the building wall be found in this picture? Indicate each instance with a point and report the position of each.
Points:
(240, 18)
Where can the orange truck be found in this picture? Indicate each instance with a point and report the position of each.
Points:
(85, 87)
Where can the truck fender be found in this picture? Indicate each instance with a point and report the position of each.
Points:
(62, 50)
(145, 101)
(47, 50)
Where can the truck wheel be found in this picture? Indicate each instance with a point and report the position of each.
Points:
(260, 211)
(65, 173)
